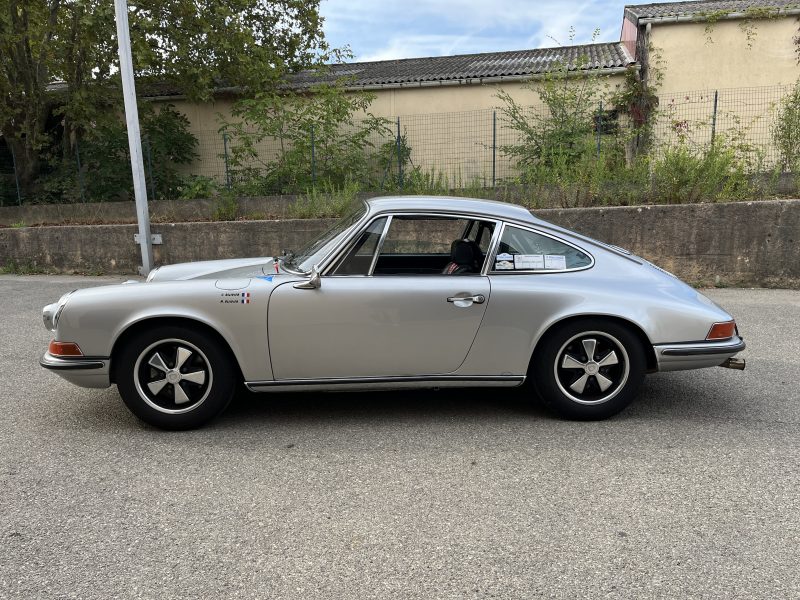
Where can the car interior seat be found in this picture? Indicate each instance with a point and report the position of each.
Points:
(465, 257)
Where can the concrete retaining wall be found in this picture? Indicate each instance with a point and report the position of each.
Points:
(747, 244)
(266, 207)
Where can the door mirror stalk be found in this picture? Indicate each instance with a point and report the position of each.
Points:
(313, 282)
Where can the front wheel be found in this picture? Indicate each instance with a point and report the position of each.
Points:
(589, 369)
(175, 377)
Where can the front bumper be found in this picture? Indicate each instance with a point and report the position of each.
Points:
(696, 355)
(89, 372)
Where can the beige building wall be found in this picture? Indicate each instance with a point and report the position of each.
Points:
(692, 62)
(748, 78)
(449, 128)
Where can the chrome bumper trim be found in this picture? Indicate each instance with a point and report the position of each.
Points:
(696, 355)
(695, 350)
(83, 371)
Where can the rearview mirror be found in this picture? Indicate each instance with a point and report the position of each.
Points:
(313, 282)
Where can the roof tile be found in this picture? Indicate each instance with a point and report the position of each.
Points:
(409, 71)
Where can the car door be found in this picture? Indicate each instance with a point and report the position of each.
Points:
(405, 318)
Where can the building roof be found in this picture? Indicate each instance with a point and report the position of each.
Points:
(701, 8)
(465, 67)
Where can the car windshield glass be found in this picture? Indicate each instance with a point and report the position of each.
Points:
(318, 248)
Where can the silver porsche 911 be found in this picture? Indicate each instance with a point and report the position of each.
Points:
(403, 292)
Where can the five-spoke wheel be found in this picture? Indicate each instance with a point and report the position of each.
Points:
(588, 368)
(174, 377)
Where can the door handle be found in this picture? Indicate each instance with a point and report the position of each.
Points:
(476, 299)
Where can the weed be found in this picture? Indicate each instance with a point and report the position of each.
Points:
(13, 267)
(226, 208)
(330, 201)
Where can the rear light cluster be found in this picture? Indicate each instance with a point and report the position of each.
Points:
(64, 349)
(722, 331)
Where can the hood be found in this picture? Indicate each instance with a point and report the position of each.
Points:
(214, 269)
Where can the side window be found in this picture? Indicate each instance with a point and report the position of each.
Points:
(430, 245)
(481, 233)
(359, 258)
(523, 250)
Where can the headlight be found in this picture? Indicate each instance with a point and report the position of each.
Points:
(52, 312)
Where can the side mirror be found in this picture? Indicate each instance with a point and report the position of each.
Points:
(313, 283)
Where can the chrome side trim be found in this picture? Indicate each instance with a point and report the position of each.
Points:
(696, 355)
(379, 246)
(386, 382)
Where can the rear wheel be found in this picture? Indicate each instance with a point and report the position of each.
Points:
(175, 377)
(589, 369)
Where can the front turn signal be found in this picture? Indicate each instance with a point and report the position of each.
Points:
(722, 331)
(64, 349)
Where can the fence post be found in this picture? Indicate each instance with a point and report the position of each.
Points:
(80, 172)
(150, 168)
(494, 146)
(599, 126)
(227, 167)
(16, 175)
(714, 118)
(313, 161)
(399, 157)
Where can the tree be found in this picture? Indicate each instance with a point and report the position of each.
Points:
(344, 137)
(560, 132)
(59, 69)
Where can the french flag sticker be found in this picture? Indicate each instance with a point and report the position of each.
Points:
(245, 297)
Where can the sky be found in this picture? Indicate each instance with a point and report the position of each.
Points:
(389, 29)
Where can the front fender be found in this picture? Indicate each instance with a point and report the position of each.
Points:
(95, 318)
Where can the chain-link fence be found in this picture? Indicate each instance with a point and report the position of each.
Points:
(448, 150)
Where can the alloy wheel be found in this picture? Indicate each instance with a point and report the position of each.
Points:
(173, 376)
(591, 367)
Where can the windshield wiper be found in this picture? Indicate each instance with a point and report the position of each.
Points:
(286, 257)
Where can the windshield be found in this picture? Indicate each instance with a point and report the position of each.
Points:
(318, 248)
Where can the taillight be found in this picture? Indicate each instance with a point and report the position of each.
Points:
(722, 331)
(64, 349)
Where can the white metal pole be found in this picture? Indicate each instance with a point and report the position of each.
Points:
(134, 136)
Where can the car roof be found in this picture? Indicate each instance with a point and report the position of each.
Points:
(489, 208)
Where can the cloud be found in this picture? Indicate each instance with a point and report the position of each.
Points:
(388, 30)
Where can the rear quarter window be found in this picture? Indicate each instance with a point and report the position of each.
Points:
(524, 250)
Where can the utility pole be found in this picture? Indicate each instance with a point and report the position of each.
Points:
(134, 135)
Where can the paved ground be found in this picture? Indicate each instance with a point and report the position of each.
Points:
(693, 492)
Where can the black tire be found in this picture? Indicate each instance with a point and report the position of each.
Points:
(577, 386)
(194, 388)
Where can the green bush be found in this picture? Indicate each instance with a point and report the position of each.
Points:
(328, 200)
(197, 186)
(786, 130)
(314, 138)
(105, 173)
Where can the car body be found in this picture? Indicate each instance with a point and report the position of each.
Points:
(402, 292)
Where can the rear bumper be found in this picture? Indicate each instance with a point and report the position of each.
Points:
(696, 355)
(89, 372)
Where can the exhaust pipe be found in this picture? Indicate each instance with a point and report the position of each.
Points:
(734, 363)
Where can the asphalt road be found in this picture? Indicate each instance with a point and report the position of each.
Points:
(693, 492)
